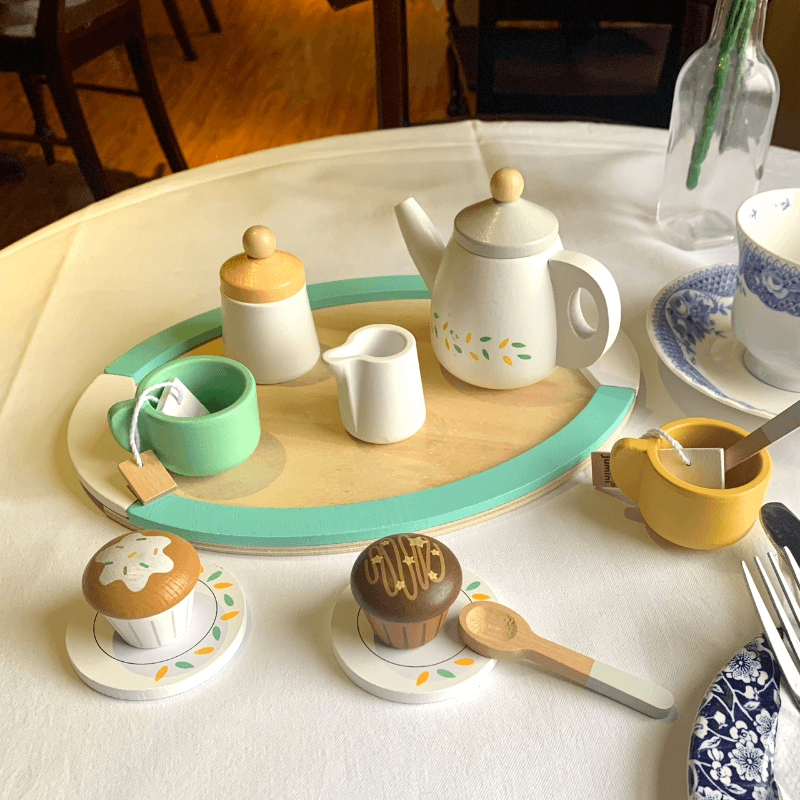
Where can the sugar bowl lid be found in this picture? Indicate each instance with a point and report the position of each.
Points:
(261, 274)
(506, 225)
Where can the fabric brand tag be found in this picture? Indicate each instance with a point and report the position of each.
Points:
(601, 470)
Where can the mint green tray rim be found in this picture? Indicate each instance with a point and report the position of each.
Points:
(242, 526)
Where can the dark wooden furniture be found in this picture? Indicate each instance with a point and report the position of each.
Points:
(612, 60)
(63, 39)
(179, 27)
(690, 22)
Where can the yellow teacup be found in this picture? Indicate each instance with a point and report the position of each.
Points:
(688, 515)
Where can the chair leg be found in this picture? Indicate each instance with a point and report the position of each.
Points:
(181, 34)
(211, 16)
(71, 113)
(145, 78)
(32, 86)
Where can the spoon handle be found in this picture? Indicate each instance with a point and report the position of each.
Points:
(638, 693)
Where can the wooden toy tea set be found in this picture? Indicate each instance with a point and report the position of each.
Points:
(482, 387)
(400, 426)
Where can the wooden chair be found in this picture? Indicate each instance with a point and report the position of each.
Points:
(392, 58)
(62, 36)
(533, 70)
(179, 27)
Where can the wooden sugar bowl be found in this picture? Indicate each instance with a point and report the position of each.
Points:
(266, 315)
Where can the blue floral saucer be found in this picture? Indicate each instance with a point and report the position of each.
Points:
(732, 751)
(689, 324)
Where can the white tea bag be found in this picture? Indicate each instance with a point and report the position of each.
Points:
(706, 465)
(189, 406)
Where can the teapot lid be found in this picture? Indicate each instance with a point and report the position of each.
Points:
(261, 274)
(506, 225)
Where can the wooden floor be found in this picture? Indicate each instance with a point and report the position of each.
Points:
(281, 71)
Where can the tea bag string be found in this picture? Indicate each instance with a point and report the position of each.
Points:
(661, 434)
(133, 436)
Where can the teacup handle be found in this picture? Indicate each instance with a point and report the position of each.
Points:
(579, 345)
(119, 421)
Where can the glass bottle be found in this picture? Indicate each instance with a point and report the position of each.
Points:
(723, 112)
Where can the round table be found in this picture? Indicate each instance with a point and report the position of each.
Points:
(282, 720)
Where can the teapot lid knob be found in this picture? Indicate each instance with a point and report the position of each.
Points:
(259, 241)
(507, 185)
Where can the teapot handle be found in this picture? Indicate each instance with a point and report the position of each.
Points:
(580, 345)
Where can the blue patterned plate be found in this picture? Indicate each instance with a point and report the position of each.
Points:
(689, 324)
(732, 751)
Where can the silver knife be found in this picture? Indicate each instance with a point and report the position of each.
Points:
(782, 527)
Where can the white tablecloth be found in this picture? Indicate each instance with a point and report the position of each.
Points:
(282, 720)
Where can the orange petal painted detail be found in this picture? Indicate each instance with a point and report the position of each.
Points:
(464, 662)
(502, 344)
(480, 597)
(474, 355)
(447, 344)
(203, 650)
(222, 585)
(423, 676)
(469, 336)
(507, 359)
(229, 615)
(161, 673)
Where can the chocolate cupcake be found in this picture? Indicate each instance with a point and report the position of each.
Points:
(405, 585)
(143, 584)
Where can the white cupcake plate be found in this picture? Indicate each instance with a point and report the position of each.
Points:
(109, 665)
(441, 669)
(689, 325)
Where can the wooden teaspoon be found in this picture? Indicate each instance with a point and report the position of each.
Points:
(495, 631)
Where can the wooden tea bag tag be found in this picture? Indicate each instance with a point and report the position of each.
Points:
(601, 470)
(150, 481)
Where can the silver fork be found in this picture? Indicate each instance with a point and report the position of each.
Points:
(788, 664)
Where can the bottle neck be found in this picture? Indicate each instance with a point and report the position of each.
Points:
(738, 23)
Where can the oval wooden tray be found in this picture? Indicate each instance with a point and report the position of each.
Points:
(311, 488)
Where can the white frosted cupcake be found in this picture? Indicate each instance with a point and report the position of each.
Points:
(143, 584)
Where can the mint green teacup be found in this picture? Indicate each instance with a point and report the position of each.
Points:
(196, 446)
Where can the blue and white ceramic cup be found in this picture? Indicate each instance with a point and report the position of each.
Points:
(766, 304)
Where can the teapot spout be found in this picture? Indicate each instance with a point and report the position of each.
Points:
(424, 244)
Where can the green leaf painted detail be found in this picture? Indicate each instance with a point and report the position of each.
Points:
(107, 562)
(142, 539)
(518, 344)
(444, 673)
(184, 665)
(228, 600)
(473, 585)
(142, 564)
(214, 576)
(486, 338)
(215, 632)
(523, 355)
(124, 570)
(435, 315)
(436, 331)
(456, 347)
(485, 354)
